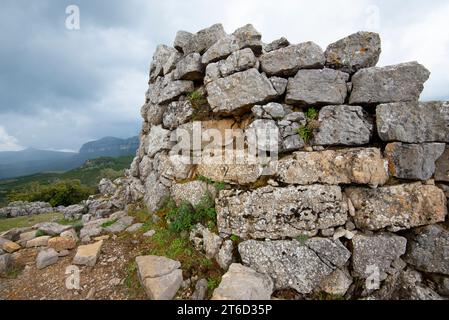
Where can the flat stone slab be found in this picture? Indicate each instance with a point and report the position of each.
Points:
(243, 283)
(52, 228)
(88, 254)
(38, 242)
(120, 225)
(61, 243)
(160, 276)
(9, 246)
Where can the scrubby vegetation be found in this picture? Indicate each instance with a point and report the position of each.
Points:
(305, 131)
(89, 175)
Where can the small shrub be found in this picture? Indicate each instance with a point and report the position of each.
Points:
(40, 233)
(109, 223)
(312, 114)
(235, 238)
(213, 283)
(302, 239)
(305, 131)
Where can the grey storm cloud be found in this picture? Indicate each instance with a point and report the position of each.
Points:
(60, 88)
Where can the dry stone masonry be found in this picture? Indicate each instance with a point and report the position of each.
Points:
(348, 196)
(354, 158)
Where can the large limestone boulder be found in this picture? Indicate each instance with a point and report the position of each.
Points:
(38, 242)
(428, 249)
(276, 212)
(317, 87)
(160, 276)
(61, 243)
(160, 57)
(52, 228)
(120, 225)
(289, 263)
(343, 125)
(397, 207)
(402, 82)
(5, 263)
(221, 49)
(248, 37)
(177, 113)
(243, 283)
(413, 161)
(373, 253)
(46, 258)
(192, 192)
(357, 51)
(347, 166)
(287, 61)
(242, 89)
(413, 122)
(187, 42)
(9, 246)
(189, 68)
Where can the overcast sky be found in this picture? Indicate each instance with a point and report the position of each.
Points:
(60, 88)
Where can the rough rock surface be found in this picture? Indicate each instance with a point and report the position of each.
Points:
(243, 283)
(177, 113)
(442, 167)
(88, 254)
(5, 263)
(61, 243)
(38, 242)
(413, 161)
(9, 246)
(343, 125)
(276, 44)
(189, 68)
(317, 87)
(248, 37)
(275, 213)
(206, 241)
(402, 82)
(428, 249)
(199, 42)
(413, 122)
(288, 263)
(192, 192)
(347, 166)
(52, 228)
(376, 252)
(337, 283)
(357, 51)
(228, 95)
(160, 276)
(398, 207)
(46, 258)
(221, 49)
(287, 61)
(120, 225)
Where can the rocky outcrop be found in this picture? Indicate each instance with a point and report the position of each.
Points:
(21, 208)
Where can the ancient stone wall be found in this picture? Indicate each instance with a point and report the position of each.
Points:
(349, 178)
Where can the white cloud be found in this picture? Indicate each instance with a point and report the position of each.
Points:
(7, 142)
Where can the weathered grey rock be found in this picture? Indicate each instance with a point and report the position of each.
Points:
(26, 236)
(38, 242)
(270, 111)
(398, 207)
(237, 174)
(248, 37)
(442, 167)
(193, 192)
(287, 61)
(289, 264)
(276, 44)
(221, 49)
(242, 283)
(155, 193)
(74, 212)
(238, 61)
(337, 283)
(160, 276)
(171, 62)
(225, 255)
(357, 51)
(158, 140)
(376, 252)
(347, 166)
(5, 263)
(134, 228)
(24, 208)
(149, 234)
(189, 68)
(242, 89)
(52, 228)
(90, 231)
(279, 84)
(402, 82)
(153, 113)
(311, 87)
(413, 161)
(106, 187)
(333, 252)
(120, 225)
(177, 113)
(167, 89)
(276, 213)
(88, 254)
(160, 57)
(264, 135)
(343, 125)
(46, 258)
(200, 290)
(428, 249)
(206, 241)
(70, 234)
(413, 122)
(199, 42)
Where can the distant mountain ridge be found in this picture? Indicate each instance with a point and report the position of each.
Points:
(30, 161)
